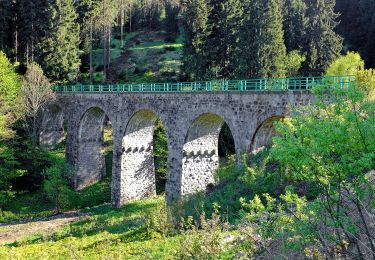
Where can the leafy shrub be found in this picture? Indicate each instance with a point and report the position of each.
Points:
(332, 144)
(158, 223)
(56, 185)
(345, 65)
(365, 80)
(203, 239)
(8, 172)
(293, 63)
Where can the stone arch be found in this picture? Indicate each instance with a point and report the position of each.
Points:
(51, 131)
(264, 133)
(90, 166)
(200, 153)
(137, 160)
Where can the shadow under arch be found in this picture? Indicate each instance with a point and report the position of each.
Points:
(90, 166)
(51, 131)
(201, 153)
(264, 133)
(138, 158)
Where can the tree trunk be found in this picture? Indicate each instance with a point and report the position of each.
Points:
(130, 18)
(122, 23)
(91, 68)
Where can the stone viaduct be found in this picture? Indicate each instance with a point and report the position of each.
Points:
(192, 123)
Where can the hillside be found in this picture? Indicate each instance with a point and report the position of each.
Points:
(147, 56)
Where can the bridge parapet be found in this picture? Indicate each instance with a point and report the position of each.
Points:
(266, 84)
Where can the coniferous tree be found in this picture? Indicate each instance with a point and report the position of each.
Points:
(172, 8)
(224, 22)
(263, 50)
(322, 45)
(88, 11)
(60, 48)
(294, 24)
(33, 25)
(195, 30)
(5, 22)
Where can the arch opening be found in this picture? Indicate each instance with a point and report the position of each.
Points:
(144, 155)
(52, 129)
(262, 138)
(94, 148)
(201, 153)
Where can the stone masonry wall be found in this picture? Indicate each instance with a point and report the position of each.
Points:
(192, 122)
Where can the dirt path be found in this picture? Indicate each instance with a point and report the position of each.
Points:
(16, 232)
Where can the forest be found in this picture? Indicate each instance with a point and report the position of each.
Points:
(310, 194)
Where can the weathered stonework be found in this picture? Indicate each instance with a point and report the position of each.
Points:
(192, 122)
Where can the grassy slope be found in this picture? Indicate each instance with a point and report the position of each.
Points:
(107, 233)
(145, 57)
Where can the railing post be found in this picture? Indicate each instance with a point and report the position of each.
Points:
(307, 83)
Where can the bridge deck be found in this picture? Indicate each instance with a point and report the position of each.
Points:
(271, 84)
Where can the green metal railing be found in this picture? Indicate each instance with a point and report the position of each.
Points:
(276, 84)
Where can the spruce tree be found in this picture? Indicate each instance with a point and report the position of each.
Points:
(224, 22)
(172, 9)
(294, 24)
(5, 21)
(59, 50)
(195, 34)
(33, 19)
(263, 50)
(322, 44)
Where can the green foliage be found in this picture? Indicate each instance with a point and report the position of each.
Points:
(334, 141)
(59, 49)
(9, 96)
(321, 43)
(172, 10)
(8, 172)
(366, 82)
(222, 38)
(294, 23)
(160, 156)
(203, 239)
(262, 52)
(345, 65)
(293, 63)
(9, 112)
(195, 31)
(56, 185)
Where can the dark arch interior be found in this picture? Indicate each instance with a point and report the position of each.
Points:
(226, 142)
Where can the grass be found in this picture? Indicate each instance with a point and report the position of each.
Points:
(108, 233)
(154, 60)
(115, 50)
